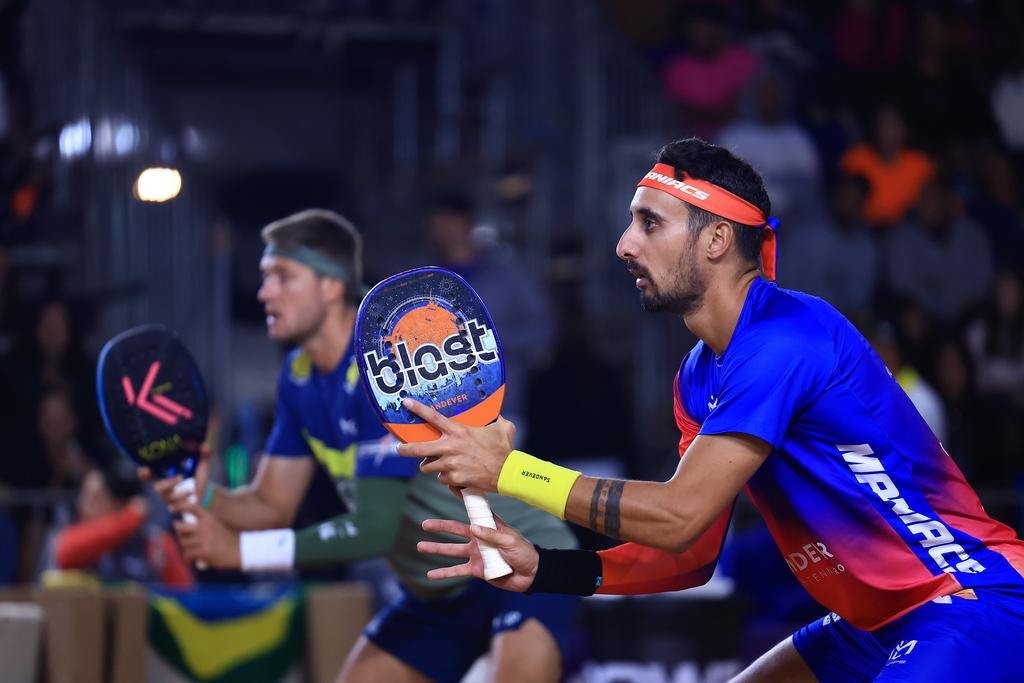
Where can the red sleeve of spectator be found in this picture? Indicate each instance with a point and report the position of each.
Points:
(81, 545)
(166, 560)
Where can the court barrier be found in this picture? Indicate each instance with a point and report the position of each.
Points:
(21, 631)
(220, 634)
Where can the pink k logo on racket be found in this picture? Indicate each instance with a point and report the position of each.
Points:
(168, 410)
(152, 399)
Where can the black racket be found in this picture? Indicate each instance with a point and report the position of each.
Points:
(153, 402)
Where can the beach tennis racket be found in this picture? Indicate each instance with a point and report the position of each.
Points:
(153, 403)
(426, 335)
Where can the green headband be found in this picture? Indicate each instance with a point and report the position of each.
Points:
(318, 261)
(314, 259)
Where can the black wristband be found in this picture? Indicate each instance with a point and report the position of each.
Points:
(571, 572)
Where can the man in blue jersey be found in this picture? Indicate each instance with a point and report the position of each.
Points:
(782, 397)
(312, 274)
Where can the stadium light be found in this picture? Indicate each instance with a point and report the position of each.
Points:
(75, 139)
(157, 185)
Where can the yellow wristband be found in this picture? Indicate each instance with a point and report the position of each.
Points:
(540, 483)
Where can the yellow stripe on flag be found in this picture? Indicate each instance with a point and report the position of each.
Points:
(211, 648)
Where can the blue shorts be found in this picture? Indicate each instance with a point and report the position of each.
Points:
(949, 639)
(442, 638)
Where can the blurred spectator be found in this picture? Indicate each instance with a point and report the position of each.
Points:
(517, 304)
(779, 148)
(50, 356)
(831, 125)
(996, 343)
(837, 259)
(995, 205)
(970, 440)
(783, 36)
(937, 88)
(48, 456)
(942, 259)
(921, 394)
(706, 80)
(57, 426)
(112, 537)
(916, 333)
(1007, 100)
(896, 173)
(870, 35)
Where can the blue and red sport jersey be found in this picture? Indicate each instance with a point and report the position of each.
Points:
(870, 512)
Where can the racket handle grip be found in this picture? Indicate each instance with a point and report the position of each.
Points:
(189, 486)
(479, 511)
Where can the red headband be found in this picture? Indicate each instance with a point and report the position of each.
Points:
(719, 201)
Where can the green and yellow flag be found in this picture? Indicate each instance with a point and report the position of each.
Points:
(229, 634)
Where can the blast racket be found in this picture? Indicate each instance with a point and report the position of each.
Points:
(425, 334)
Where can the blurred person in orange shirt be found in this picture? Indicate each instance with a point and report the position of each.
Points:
(896, 173)
(113, 537)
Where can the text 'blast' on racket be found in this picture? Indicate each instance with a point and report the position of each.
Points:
(426, 335)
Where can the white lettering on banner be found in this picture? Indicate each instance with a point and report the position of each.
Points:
(716, 671)
(678, 184)
(935, 536)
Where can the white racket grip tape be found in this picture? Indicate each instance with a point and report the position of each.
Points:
(189, 486)
(479, 511)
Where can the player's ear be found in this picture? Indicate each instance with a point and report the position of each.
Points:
(720, 236)
(332, 288)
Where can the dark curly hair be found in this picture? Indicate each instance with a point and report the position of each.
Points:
(705, 161)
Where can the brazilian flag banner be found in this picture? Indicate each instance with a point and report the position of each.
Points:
(229, 634)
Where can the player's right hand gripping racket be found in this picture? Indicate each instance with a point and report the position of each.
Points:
(425, 334)
(153, 402)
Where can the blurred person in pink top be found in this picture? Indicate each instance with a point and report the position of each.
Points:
(707, 79)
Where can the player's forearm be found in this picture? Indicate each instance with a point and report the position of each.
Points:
(367, 533)
(649, 513)
(630, 568)
(640, 511)
(244, 509)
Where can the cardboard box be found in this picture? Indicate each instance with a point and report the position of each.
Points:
(335, 617)
(128, 613)
(75, 634)
(21, 641)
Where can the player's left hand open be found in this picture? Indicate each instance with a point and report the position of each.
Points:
(463, 456)
(208, 540)
(518, 552)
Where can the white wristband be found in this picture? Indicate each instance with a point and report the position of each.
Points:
(267, 550)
